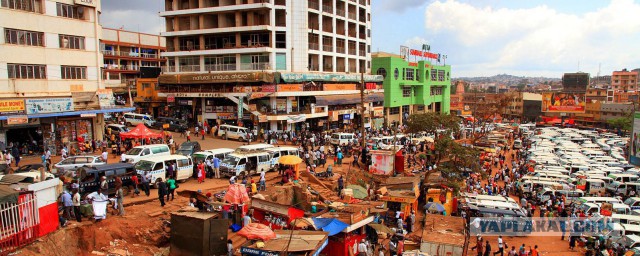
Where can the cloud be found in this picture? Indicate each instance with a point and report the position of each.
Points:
(133, 20)
(538, 39)
(416, 42)
(400, 6)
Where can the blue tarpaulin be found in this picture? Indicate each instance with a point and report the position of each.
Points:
(331, 225)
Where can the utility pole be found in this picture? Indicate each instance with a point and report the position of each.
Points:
(362, 111)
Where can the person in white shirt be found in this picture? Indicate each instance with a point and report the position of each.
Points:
(362, 248)
(104, 156)
(500, 247)
(232, 180)
(122, 158)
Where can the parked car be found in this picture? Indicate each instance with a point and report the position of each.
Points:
(28, 170)
(89, 177)
(117, 128)
(171, 124)
(188, 148)
(74, 162)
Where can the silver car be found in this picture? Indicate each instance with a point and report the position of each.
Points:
(75, 162)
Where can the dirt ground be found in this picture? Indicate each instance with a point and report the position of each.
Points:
(144, 229)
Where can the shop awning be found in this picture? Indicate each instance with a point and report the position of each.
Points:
(346, 99)
(290, 77)
(331, 225)
(77, 113)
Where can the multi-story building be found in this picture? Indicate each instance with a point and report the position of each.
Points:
(412, 87)
(282, 61)
(125, 52)
(50, 73)
(624, 81)
(524, 106)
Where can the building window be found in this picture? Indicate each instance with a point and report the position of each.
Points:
(23, 37)
(434, 75)
(74, 72)
(405, 109)
(23, 5)
(440, 75)
(408, 74)
(396, 73)
(71, 42)
(382, 72)
(394, 111)
(417, 75)
(27, 71)
(436, 91)
(70, 11)
(146, 85)
(420, 107)
(406, 91)
(426, 74)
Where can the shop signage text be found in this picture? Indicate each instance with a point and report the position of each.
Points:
(419, 53)
(290, 87)
(91, 3)
(11, 106)
(239, 77)
(397, 199)
(306, 77)
(339, 87)
(50, 105)
(15, 120)
(198, 95)
(88, 115)
(256, 252)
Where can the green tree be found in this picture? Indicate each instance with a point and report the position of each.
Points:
(622, 123)
(431, 122)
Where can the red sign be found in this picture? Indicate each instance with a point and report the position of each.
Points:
(171, 98)
(419, 53)
(413, 64)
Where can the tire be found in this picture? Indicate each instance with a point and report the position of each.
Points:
(129, 124)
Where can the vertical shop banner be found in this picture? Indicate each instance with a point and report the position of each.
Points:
(50, 105)
(106, 99)
(11, 107)
(634, 150)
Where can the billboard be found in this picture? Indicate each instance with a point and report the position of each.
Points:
(634, 150)
(563, 102)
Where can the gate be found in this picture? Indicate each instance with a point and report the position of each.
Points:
(19, 223)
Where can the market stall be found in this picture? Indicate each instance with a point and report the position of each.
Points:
(401, 200)
(140, 132)
(294, 242)
(274, 215)
(293, 161)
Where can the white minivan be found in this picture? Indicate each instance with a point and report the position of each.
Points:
(133, 119)
(141, 152)
(341, 138)
(236, 164)
(157, 167)
(233, 132)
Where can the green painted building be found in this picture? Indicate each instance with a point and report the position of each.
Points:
(412, 87)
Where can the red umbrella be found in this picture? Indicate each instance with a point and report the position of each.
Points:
(255, 231)
(140, 132)
(236, 194)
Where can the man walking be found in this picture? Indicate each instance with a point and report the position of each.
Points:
(162, 190)
(500, 247)
(146, 178)
(263, 182)
(68, 205)
(119, 198)
(216, 167)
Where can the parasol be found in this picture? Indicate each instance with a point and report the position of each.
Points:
(358, 191)
(434, 207)
(290, 160)
(255, 231)
(236, 194)
(140, 132)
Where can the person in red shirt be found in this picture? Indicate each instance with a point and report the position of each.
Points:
(134, 180)
(201, 173)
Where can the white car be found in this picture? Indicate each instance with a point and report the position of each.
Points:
(75, 162)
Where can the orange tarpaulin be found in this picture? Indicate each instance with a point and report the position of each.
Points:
(140, 132)
(236, 194)
(255, 231)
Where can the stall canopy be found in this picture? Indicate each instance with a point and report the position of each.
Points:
(140, 132)
(346, 99)
(331, 225)
(256, 231)
(236, 194)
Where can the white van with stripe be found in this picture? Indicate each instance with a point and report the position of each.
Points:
(157, 167)
(235, 164)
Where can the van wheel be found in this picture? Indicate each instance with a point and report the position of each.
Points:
(129, 124)
(243, 173)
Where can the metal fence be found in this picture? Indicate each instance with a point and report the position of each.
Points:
(20, 223)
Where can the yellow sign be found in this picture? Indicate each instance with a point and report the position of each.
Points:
(11, 106)
(339, 87)
(290, 87)
(398, 199)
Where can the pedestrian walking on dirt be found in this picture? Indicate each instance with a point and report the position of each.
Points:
(119, 199)
(171, 185)
(76, 205)
(162, 190)
(146, 179)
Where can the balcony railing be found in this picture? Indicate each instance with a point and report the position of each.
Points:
(352, 51)
(362, 53)
(352, 15)
(220, 67)
(327, 8)
(314, 46)
(340, 49)
(340, 12)
(314, 68)
(340, 68)
(363, 2)
(189, 68)
(121, 67)
(327, 68)
(254, 66)
(130, 54)
(169, 69)
(327, 48)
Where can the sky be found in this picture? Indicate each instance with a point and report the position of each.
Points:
(479, 37)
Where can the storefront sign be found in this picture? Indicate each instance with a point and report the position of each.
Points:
(269, 88)
(15, 120)
(88, 115)
(296, 119)
(256, 252)
(306, 77)
(262, 119)
(290, 87)
(256, 95)
(50, 105)
(91, 3)
(105, 98)
(345, 111)
(237, 77)
(199, 95)
(171, 98)
(420, 53)
(11, 107)
(226, 116)
(397, 199)
(378, 111)
(339, 87)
